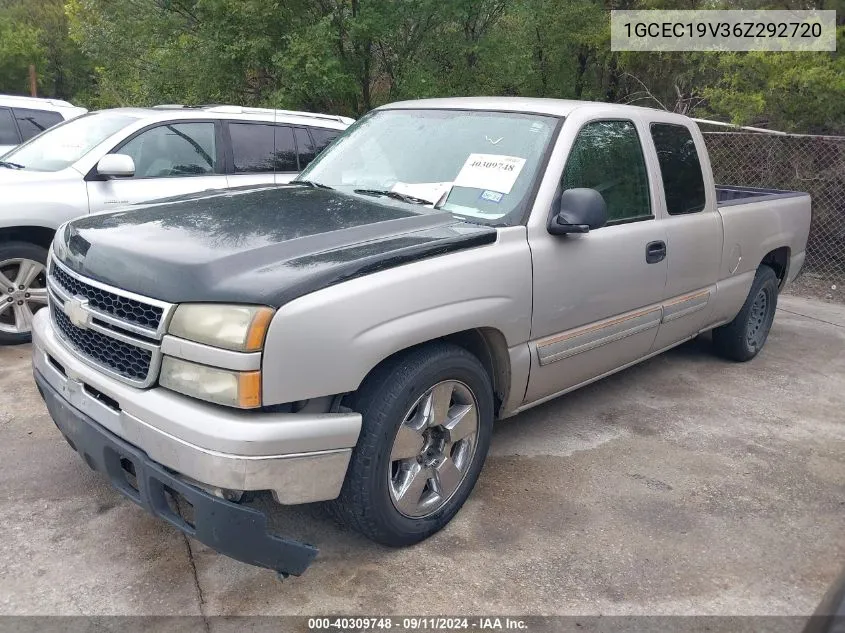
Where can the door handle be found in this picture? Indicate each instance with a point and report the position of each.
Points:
(655, 252)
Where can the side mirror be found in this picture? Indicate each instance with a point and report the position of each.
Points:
(116, 166)
(580, 210)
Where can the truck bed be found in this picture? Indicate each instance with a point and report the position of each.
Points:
(761, 223)
(728, 195)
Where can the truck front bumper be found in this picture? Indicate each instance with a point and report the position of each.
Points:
(300, 458)
(199, 451)
(231, 529)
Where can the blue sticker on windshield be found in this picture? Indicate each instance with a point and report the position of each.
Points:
(491, 196)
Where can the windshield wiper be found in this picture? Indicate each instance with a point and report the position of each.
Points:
(404, 197)
(310, 183)
(10, 165)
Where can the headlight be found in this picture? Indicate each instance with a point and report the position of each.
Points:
(240, 389)
(237, 327)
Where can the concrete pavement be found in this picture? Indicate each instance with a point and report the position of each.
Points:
(687, 484)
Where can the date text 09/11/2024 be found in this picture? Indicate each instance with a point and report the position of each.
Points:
(432, 623)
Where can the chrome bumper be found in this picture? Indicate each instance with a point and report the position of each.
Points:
(300, 458)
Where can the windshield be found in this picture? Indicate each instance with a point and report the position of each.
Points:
(62, 145)
(476, 164)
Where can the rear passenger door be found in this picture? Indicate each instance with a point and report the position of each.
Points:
(693, 232)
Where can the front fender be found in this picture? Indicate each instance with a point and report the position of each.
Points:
(47, 203)
(326, 342)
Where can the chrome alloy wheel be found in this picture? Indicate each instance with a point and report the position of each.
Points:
(23, 291)
(433, 449)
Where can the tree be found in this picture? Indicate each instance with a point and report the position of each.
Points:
(801, 92)
(20, 46)
(348, 56)
(36, 32)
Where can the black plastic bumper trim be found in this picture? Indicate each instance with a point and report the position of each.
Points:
(231, 529)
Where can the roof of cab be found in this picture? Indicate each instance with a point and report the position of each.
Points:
(555, 107)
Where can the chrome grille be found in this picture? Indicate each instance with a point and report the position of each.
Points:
(120, 307)
(122, 358)
(113, 330)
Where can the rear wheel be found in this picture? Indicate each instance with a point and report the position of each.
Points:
(427, 421)
(23, 289)
(744, 337)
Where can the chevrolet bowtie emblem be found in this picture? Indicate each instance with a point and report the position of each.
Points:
(76, 309)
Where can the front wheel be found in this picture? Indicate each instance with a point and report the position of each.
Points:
(744, 337)
(427, 420)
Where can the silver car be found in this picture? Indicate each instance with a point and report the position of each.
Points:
(112, 158)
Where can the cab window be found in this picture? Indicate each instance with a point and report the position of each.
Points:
(607, 156)
(680, 169)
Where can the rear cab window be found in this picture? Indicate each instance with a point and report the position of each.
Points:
(680, 169)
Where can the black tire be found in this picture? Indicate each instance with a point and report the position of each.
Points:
(744, 337)
(15, 250)
(365, 502)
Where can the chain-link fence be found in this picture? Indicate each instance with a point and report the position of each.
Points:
(815, 164)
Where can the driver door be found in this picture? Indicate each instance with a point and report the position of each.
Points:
(171, 159)
(597, 295)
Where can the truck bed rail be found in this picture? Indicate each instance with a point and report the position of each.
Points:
(728, 195)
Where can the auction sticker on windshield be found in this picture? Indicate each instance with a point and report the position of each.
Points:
(490, 171)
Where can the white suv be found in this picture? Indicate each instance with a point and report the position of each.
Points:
(111, 158)
(21, 118)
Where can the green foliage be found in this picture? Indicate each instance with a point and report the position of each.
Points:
(347, 56)
(36, 32)
(801, 92)
(20, 46)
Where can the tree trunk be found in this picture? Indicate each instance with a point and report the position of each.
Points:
(583, 57)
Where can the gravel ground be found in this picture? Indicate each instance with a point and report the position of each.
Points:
(810, 286)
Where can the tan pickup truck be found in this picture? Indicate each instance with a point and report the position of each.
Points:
(352, 336)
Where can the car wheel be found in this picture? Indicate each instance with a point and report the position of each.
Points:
(427, 420)
(23, 289)
(744, 337)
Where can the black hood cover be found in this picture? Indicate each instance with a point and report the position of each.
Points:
(264, 246)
